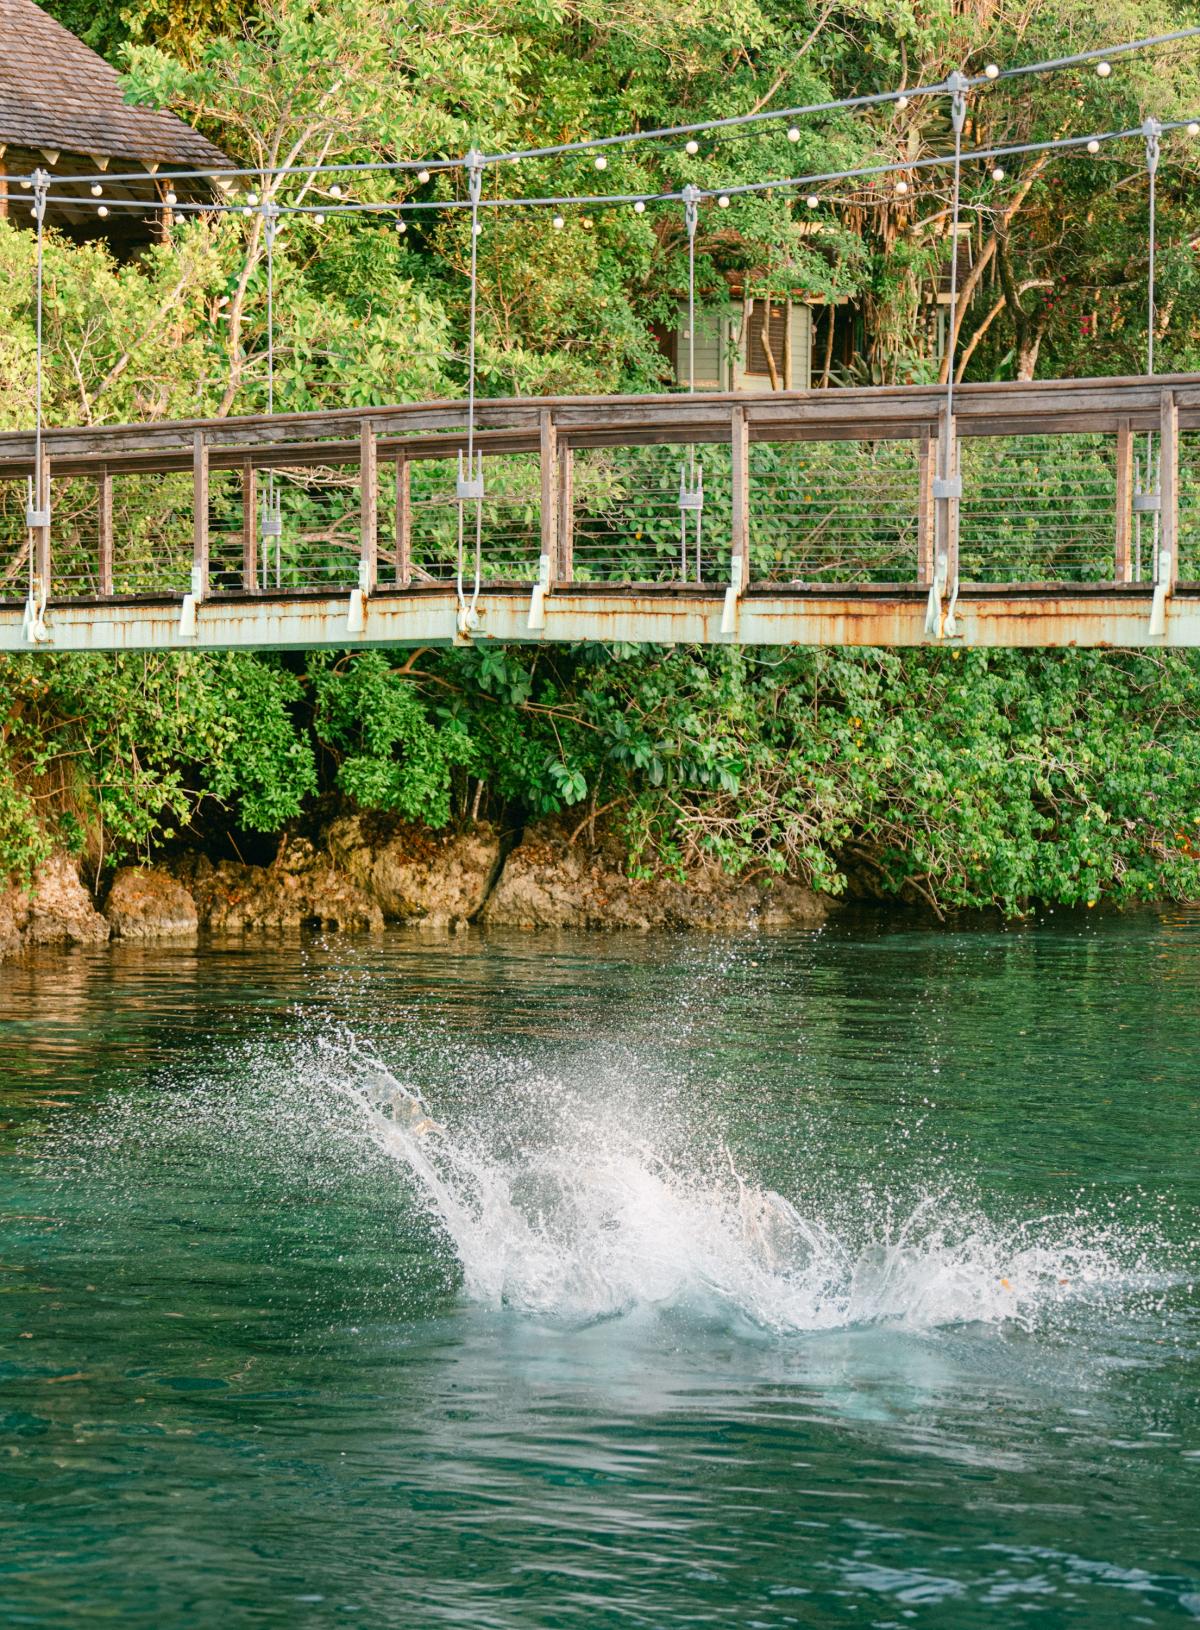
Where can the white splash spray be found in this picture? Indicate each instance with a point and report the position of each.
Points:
(592, 1223)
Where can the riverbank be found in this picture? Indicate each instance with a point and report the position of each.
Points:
(365, 871)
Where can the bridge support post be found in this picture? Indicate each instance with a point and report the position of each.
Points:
(548, 559)
(249, 528)
(739, 543)
(1166, 566)
(925, 516)
(199, 590)
(104, 533)
(566, 513)
(947, 490)
(403, 521)
(1123, 558)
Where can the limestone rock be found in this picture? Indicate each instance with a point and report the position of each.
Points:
(55, 911)
(426, 879)
(301, 888)
(146, 902)
(547, 882)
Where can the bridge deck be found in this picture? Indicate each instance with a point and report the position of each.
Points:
(1078, 523)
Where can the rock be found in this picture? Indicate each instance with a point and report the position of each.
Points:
(301, 888)
(146, 902)
(55, 910)
(427, 879)
(547, 882)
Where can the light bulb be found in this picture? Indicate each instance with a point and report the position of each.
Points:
(601, 162)
(723, 201)
(794, 133)
(478, 228)
(902, 102)
(1193, 130)
(639, 207)
(422, 176)
(97, 189)
(1104, 69)
(558, 223)
(252, 198)
(172, 198)
(998, 173)
(318, 220)
(103, 210)
(588, 222)
(334, 192)
(27, 185)
(902, 186)
(402, 225)
(812, 200)
(992, 71)
(1093, 146)
(692, 148)
(247, 212)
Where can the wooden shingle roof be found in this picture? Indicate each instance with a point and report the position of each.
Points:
(57, 94)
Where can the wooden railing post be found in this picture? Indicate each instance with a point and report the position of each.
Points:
(104, 532)
(368, 570)
(249, 528)
(199, 516)
(1167, 565)
(1123, 561)
(403, 521)
(925, 515)
(548, 465)
(739, 570)
(566, 512)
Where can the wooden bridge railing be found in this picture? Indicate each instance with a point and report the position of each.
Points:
(1075, 481)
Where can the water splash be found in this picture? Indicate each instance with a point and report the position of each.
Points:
(593, 1222)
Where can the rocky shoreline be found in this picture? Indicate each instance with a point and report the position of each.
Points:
(365, 872)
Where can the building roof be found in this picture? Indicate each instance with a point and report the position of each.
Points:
(57, 94)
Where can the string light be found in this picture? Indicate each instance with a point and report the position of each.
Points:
(1104, 69)
(902, 103)
(794, 133)
(902, 186)
(639, 207)
(172, 198)
(601, 162)
(723, 201)
(335, 190)
(998, 173)
(422, 176)
(402, 224)
(691, 149)
(252, 198)
(992, 71)
(1193, 129)
(1093, 146)
(558, 223)
(318, 220)
(102, 211)
(812, 200)
(97, 189)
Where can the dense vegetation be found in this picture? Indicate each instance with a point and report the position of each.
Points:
(965, 778)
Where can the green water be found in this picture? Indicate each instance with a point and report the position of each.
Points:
(253, 1371)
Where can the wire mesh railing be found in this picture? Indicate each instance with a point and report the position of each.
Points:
(1038, 509)
(14, 542)
(629, 525)
(152, 533)
(510, 535)
(834, 512)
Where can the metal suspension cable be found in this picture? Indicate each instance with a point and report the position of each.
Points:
(38, 510)
(734, 190)
(270, 216)
(664, 132)
(470, 481)
(691, 476)
(1151, 130)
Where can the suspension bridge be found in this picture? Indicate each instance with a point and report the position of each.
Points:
(1019, 514)
(1071, 518)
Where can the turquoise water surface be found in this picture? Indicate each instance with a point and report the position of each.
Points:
(842, 1278)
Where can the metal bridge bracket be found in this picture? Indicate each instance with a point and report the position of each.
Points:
(33, 626)
(733, 595)
(1162, 590)
(537, 600)
(191, 605)
(937, 590)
